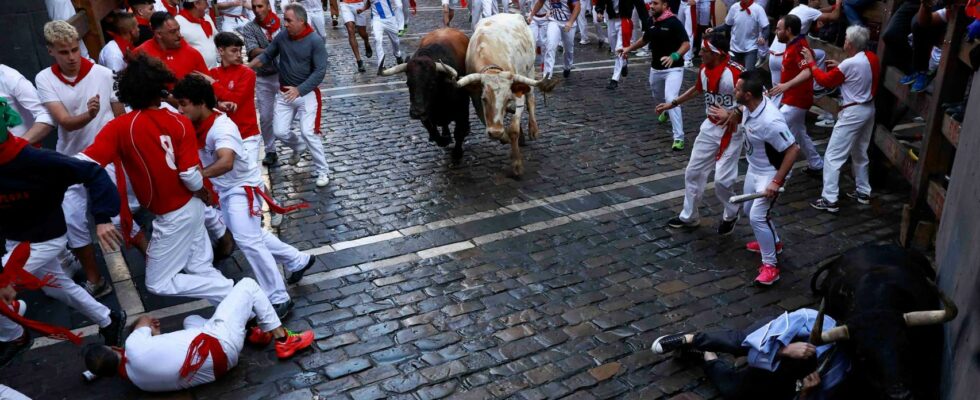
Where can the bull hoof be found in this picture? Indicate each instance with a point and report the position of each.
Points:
(532, 131)
(443, 141)
(457, 153)
(517, 167)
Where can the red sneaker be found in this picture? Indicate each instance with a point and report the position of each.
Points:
(257, 337)
(293, 342)
(753, 246)
(768, 274)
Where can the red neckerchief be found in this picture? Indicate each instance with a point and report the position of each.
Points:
(205, 25)
(82, 71)
(664, 15)
(14, 274)
(11, 148)
(197, 353)
(307, 29)
(142, 21)
(271, 24)
(745, 6)
(122, 365)
(172, 9)
(125, 46)
(203, 129)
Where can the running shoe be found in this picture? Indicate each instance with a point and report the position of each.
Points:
(669, 343)
(678, 145)
(99, 289)
(677, 223)
(825, 205)
(813, 172)
(921, 82)
(768, 274)
(297, 276)
(13, 348)
(860, 197)
(116, 330)
(270, 159)
(908, 79)
(293, 342)
(753, 246)
(257, 337)
(613, 84)
(726, 228)
(662, 118)
(368, 52)
(360, 65)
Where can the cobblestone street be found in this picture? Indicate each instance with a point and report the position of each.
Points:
(437, 279)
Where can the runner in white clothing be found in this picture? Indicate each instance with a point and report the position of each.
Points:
(198, 30)
(124, 33)
(237, 180)
(560, 26)
(386, 21)
(749, 26)
(203, 351)
(21, 95)
(234, 14)
(858, 78)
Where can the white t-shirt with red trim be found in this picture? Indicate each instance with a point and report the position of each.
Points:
(98, 81)
(224, 135)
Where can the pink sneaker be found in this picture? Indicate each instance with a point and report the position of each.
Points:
(753, 246)
(768, 274)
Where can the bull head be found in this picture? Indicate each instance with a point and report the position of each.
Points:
(499, 90)
(423, 78)
(915, 318)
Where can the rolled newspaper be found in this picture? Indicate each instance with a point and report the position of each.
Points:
(749, 196)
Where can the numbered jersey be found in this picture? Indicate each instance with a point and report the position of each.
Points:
(560, 10)
(718, 85)
(154, 147)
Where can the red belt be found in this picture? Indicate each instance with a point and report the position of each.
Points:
(854, 104)
(319, 105)
(251, 191)
(726, 139)
(197, 353)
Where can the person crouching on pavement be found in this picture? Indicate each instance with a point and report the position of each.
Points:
(781, 362)
(203, 351)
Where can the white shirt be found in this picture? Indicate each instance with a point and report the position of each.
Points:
(194, 35)
(22, 96)
(857, 79)
(385, 9)
(224, 135)
(158, 5)
(765, 127)
(746, 28)
(808, 15)
(112, 57)
(153, 362)
(99, 81)
(234, 12)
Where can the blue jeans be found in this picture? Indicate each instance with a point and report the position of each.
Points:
(852, 10)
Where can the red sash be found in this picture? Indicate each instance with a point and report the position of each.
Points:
(82, 71)
(14, 274)
(208, 29)
(251, 191)
(319, 106)
(197, 353)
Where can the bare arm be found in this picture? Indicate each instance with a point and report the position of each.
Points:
(221, 166)
(230, 4)
(117, 108)
(62, 117)
(37, 133)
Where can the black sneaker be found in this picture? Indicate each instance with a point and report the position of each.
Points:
(335, 22)
(823, 204)
(626, 70)
(669, 343)
(726, 228)
(368, 52)
(813, 172)
(13, 348)
(360, 66)
(613, 84)
(114, 332)
(283, 309)
(860, 197)
(297, 276)
(566, 73)
(271, 158)
(676, 222)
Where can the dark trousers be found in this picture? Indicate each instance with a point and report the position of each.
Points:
(905, 57)
(748, 382)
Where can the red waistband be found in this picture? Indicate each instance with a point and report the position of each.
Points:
(855, 104)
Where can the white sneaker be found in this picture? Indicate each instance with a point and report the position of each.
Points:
(584, 41)
(643, 53)
(825, 123)
(20, 307)
(322, 180)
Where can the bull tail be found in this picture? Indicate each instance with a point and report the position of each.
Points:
(823, 267)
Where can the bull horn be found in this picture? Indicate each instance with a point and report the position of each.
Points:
(920, 318)
(545, 85)
(819, 337)
(469, 79)
(527, 81)
(394, 70)
(447, 70)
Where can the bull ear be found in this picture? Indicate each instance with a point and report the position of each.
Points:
(519, 89)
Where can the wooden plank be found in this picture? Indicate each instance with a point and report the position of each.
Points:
(918, 102)
(828, 104)
(951, 129)
(833, 52)
(896, 153)
(936, 197)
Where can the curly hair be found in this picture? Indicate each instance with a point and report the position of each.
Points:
(196, 90)
(59, 32)
(144, 82)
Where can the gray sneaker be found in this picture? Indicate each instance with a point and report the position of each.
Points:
(860, 197)
(283, 309)
(98, 290)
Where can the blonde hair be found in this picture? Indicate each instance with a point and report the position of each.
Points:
(60, 31)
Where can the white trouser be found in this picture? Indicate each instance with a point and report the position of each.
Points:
(231, 23)
(75, 207)
(178, 261)
(382, 27)
(227, 324)
(10, 330)
(43, 261)
(820, 57)
(758, 212)
(665, 84)
(406, 13)
(261, 248)
(539, 31)
(599, 34)
(776, 51)
(614, 33)
(480, 9)
(8, 393)
(305, 109)
(851, 136)
(315, 18)
(214, 223)
(684, 15)
(582, 24)
(796, 119)
(703, 154)
(556, 32)
(266, 88)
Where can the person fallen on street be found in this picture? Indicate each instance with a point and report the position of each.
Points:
(781, 362)
(203, 351)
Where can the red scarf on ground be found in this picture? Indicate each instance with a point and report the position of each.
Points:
(271, 24)
(14, 274)
(125, 46)
(208, 29)
(82, 71)
(664, 15)
(172, 9)
(197, 353)
(307, 30)
(251, 191)
(745, 6)
(11, 148)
